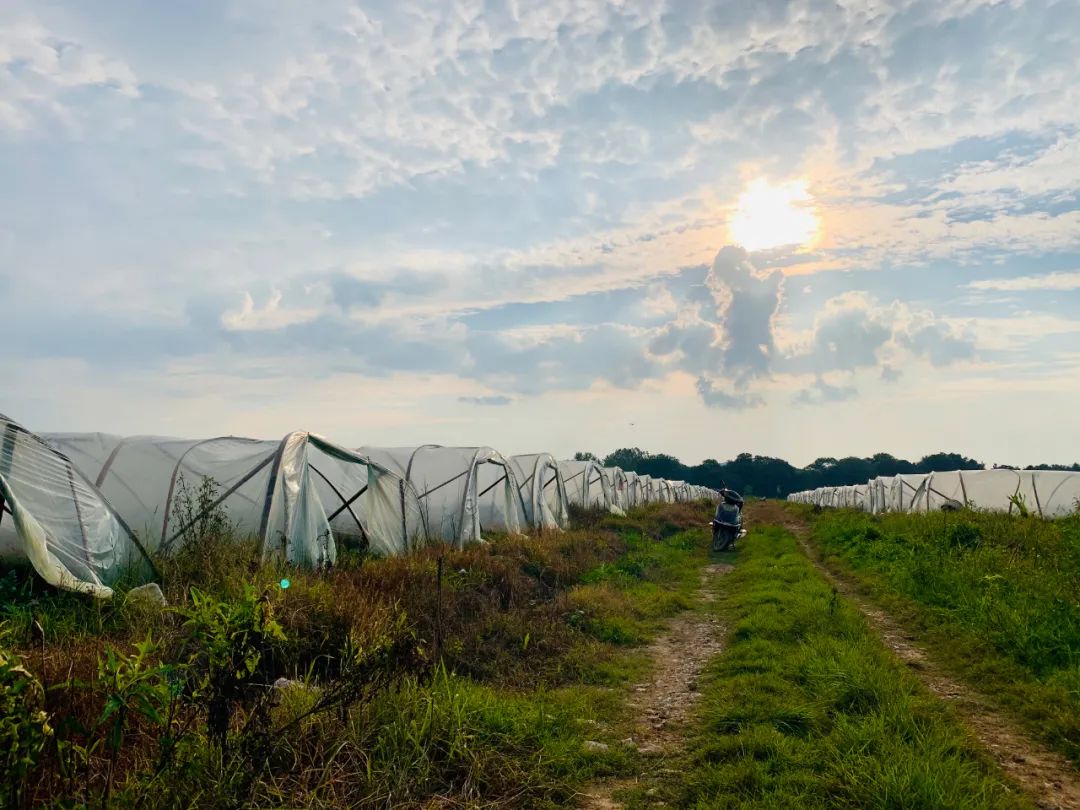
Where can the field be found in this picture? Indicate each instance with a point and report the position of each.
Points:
(616, 665)
(997, 598)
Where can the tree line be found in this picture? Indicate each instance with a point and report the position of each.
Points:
(773, 477)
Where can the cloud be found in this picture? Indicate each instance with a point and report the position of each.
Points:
(1061, 281)
(715, 397)
(822, 392)
(725, 328)
(495, 400)
(272, 315)
(530, 198)
(39, 72)
(848, 334)
(853, 331)
(934, 339)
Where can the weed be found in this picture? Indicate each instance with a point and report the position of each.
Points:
(24, 726)
(227, 641)
(369, 713)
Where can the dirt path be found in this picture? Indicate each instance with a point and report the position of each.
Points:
(1047, 777)
(662, 706)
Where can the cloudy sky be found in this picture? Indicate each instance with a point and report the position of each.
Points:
(797, 228)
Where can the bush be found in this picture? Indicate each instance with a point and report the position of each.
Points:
(24, 726)
(963, 536)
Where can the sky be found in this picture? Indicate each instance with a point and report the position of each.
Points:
(799, 229)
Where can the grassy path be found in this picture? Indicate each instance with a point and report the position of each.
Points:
(661, 707)
(1046, 776)
(805, 707)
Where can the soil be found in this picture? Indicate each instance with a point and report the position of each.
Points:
(662, 706)
(1047, 777)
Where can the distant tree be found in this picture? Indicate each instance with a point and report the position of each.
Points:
(849, 470)
(937, 462)
(774, 477)
(662, 465)
(629, 458)
(582, 456)
(887, 465)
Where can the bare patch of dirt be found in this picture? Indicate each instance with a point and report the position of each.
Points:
(1046, 776)
(662, 706)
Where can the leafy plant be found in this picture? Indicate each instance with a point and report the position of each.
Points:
(196, 512)
(24, 725)
(1018, 502)
(135, 686)
(204, 547)
(228, 640)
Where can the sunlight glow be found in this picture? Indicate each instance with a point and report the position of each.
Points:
(769, 216)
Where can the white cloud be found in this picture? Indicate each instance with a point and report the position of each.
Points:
(1058, 281)
(365, 183)
(38, 68)
(272, 315)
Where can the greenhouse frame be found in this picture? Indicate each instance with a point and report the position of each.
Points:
(293, 495)
(543, 490)
(88, 511)
(586, 484)
(55, 519)
(461, 490)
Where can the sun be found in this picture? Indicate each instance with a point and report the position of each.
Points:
(770, 216)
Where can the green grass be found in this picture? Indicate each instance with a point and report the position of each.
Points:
(995, 597)
(806, 708)
(450, 738)
(540, 641)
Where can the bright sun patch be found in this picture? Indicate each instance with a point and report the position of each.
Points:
(770, 216)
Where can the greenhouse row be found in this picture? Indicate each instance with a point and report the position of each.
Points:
(1047, 493)
(86, 509)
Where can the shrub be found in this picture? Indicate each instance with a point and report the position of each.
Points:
(24, 726)
(227, 641)
(963, 536)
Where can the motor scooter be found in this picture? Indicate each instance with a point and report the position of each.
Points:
(727, 525)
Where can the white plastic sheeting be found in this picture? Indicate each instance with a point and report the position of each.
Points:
(87, 508)
(543, 490)
(291, 494)
(635, 495)
(1048, 493)
(665, 493)
(1041, 492)
(613, 479)
(54, 518)
(586, 485)
(648, 488)
(461, 490)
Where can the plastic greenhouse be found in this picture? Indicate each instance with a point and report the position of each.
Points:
(461, 490)
(293, 495)
(648, 488)
(54, 518)
(635, 490)
(543, 490)
(1047, 493)
(586, 485)
(613, 480)
(665, 493)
